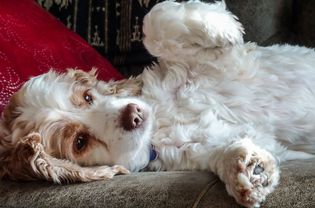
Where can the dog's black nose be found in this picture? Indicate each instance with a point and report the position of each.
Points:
(132, 117)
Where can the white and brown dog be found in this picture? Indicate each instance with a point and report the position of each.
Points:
(211, 103)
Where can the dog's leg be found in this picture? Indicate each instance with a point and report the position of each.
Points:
(179, 31)
(29, 161)
(249, 172)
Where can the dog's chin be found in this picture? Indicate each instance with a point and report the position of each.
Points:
(136, 162)
(138, 143)
(136, 158)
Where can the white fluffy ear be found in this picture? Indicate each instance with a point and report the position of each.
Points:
(184, 28)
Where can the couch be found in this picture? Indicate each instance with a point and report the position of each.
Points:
(266, 22)
(158, 190)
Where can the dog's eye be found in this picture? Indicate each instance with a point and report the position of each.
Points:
(81, 142)
(88, 97)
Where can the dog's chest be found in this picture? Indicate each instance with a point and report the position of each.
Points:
(192, 114)
(186, 124)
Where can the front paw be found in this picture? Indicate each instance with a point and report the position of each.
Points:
(119, 169)
(107, 172)
(252, 174)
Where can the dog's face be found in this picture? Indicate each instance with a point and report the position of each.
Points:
(84, 120)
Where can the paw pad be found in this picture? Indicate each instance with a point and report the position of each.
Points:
(258, 169)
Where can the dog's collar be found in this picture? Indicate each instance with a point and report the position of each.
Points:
(153, 153)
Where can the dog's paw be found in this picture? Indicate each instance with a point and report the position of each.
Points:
(251, 175)
(119, 169)
(106, 172)
(175, 31)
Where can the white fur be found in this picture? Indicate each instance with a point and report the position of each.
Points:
(209, 90)
(46, 109)
(214, 103)
(226, 90)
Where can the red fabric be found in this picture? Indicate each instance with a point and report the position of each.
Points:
(32, 42)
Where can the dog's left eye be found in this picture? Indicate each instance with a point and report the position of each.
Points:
(88, 98)
(80, 142)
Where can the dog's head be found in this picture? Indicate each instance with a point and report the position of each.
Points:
(82, 119)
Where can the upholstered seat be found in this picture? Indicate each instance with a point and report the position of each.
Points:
(265, 22)
(159, 189)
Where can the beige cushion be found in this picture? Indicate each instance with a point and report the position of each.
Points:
(159, 189)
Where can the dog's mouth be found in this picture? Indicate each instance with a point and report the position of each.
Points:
(133, 117)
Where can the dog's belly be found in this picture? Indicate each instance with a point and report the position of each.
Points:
(271, 92)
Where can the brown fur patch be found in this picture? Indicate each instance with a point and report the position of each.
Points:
(10, 122)
(126, 87)
(24, 156)
(85, 81)
(11, 110)
(65, 149)
(77, 97)
(15, 162)
(28, 161)
(82, 77)
(82, 83)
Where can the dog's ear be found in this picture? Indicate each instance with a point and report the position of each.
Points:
(27, 160)
(22, 155)
(129, 87)
(82, 77)
(11, 111)
(125, 87)
(122, 88)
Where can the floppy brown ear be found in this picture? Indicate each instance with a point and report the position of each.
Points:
(10, 111)
(27, 160)
(130, 86)
(125, 87)
(82, 77)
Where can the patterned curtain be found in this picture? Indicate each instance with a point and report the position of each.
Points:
(113, 27)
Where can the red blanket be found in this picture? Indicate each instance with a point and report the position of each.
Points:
(32, 42)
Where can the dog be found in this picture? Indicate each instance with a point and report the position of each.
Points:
(211, 102)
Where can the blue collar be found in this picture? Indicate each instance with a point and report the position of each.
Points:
(153, 153)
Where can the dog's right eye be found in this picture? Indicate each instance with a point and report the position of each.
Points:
(88, 98)
(80, 142)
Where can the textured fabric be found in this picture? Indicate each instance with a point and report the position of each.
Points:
(304, 22)
(297, 186)
(164, 189)
(264, 21)
(113, 27)
(159, 189)
(32, 42)
(296, 189)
